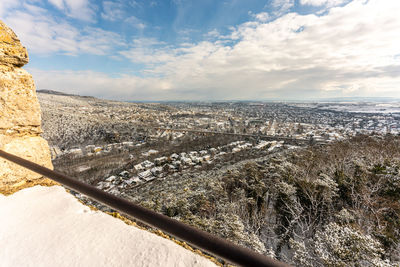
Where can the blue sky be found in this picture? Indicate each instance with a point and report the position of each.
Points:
(211, 50)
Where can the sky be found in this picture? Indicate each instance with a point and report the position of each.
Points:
(211, 49)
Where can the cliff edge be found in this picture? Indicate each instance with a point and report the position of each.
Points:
(46, 226)
(19, 117)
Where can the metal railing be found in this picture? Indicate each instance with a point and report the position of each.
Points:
(214, 245)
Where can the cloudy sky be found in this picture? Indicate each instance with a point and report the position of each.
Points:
(211, 49)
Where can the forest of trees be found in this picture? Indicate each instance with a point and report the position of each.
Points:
(333, 205)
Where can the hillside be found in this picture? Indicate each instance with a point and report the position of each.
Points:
(321, 206)
(332, 204)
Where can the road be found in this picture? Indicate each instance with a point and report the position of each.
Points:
(288, 140)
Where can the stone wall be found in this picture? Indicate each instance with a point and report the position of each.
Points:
(19, 117)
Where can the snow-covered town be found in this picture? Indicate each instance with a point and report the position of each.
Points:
(119, 146)
(160, 167)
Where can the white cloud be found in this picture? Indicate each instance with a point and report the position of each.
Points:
(282, 6)
(99, 42)
(147, 42)
(6, 5)
(135, 3)
(57, 3)
(263, 16)
(113, 11)
(78, 9)
(135, 22)
(43, 34)
(147, 50)
(349, 51)
(327, 3)
(124, 87)
(212, 34)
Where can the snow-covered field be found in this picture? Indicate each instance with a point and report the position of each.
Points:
(356, 107)
(46, 226)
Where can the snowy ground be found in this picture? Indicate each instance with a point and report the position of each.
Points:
(46, 226)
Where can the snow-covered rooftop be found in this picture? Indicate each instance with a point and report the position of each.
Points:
(46, 226)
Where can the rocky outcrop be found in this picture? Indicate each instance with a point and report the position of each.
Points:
(19, 117)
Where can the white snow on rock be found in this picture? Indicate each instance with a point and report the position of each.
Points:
(46, 226)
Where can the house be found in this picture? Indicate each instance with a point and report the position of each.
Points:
(128, 144)
(203, 152)
(236, 149)
(147, 164)
(90, 148)
(186, 161)
(139, 167)
(168, 167)
(76, 152)
(193, 153)
(111, 179)
(150, 152)
(149, 178)
(206, 158)
(156, 171)
(176, 164)
(262, 144)
(145, 174)
(174, 156)
(160, 161)
(133, 180)
(221, 154)
(196, 160)
(124, 174)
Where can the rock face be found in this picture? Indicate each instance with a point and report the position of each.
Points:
(19, 117)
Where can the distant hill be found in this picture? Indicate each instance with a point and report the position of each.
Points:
(53, 92)
(358, 99)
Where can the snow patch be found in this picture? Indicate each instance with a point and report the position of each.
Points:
(46, 226)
